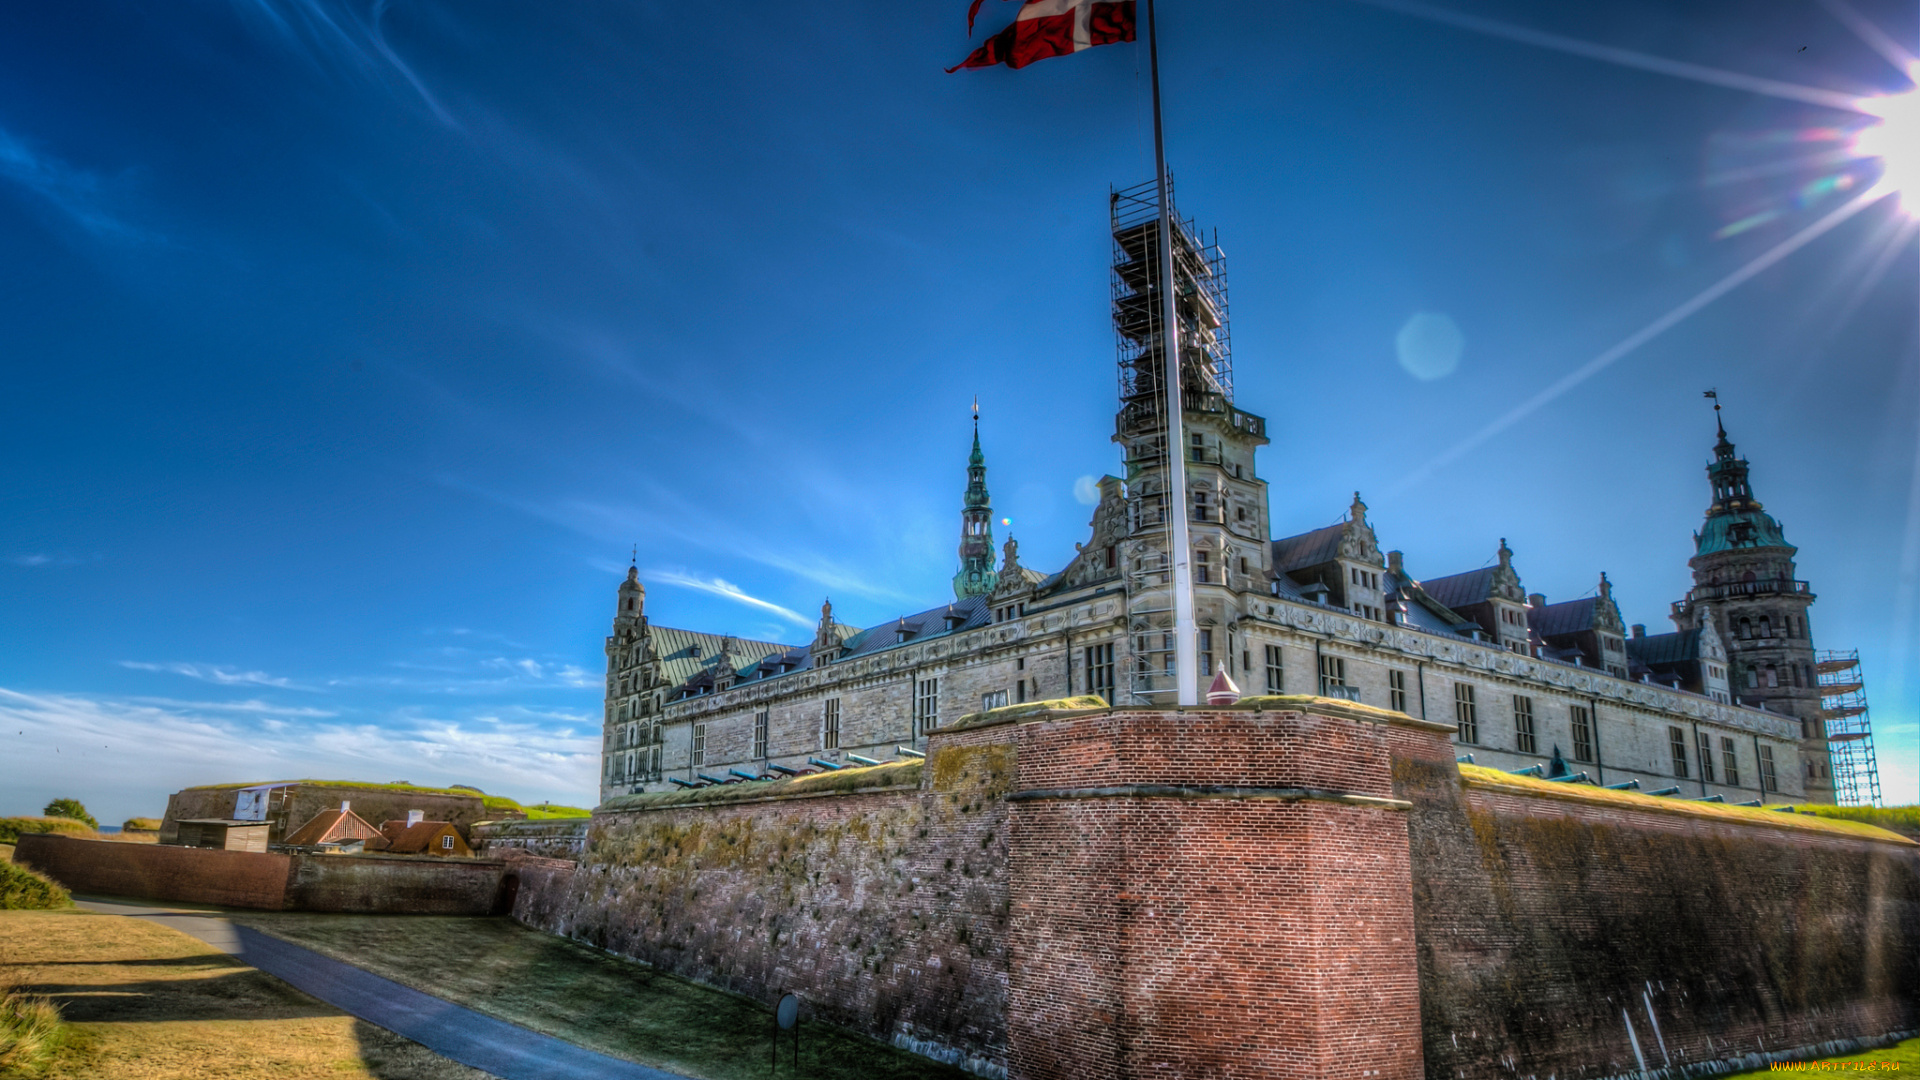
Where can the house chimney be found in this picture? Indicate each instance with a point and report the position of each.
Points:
(1639, 630)
(1538, 600)
(1396, 566)
(345, 806)
(415, 817)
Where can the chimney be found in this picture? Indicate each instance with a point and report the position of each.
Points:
(1639, 630)
(345, 806)
(415, 817)
(1395, 566)
(1537, 600)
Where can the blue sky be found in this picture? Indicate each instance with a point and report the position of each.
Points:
(351, 349)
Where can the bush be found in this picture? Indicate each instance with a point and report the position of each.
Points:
(30, 1032)
(141, 824)
(11, 828)
(70, 808)
(22, 889)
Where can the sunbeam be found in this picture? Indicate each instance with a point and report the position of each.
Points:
(1660, 65)
(1645, 334)
(1875, 38)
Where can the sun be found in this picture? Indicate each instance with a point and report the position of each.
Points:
(1894, 138)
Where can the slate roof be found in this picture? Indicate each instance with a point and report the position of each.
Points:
(1292, 553)
(925, 626)
(1423, 612)
(332, 827)
(1655, 650)
(676, 650)
(1459, 590)
(1566, 617)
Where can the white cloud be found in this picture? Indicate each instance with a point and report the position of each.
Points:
(123, 757)
(214, 673)
(74, 192)
(727, 589)
(1086, 491)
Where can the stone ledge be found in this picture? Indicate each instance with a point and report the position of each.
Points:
(1088, 704)
(1198, 792)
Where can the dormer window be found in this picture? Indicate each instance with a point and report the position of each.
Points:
(693, 650)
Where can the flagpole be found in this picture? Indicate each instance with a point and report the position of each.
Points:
(1185, 635)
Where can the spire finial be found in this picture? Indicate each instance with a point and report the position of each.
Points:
(1715, 395)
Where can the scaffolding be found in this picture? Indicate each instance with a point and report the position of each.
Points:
(1843, 713)
(1207, 386)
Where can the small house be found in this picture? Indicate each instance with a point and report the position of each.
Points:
(417, 836)
(224, 834)
(340, 831)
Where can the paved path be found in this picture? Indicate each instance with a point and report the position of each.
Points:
(506, 1050)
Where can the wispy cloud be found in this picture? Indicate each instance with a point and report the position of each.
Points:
(77, 194)
(728, 590)
(333, 37)
(123, 756)
(216, 674)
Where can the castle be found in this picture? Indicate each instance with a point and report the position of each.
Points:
(1727, 706)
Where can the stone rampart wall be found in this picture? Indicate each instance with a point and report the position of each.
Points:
(1547, 926)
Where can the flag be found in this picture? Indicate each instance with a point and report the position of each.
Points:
(1047, 28)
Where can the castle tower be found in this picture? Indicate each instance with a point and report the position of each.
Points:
(1227, 502)
(1743, 575)
(976, 576)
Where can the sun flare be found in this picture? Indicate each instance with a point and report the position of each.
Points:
(1894, 139)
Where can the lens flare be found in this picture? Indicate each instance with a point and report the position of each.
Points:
(1894, 140)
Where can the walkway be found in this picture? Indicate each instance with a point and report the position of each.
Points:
(506, 1050)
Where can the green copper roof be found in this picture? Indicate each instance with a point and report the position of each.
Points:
(1727, 531)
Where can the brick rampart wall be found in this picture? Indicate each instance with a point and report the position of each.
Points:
(244, 879)
(1542, 921)
(270, 881)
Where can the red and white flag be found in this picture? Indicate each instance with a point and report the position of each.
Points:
(1047, 28)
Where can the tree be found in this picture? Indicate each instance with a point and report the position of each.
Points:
(70, 808)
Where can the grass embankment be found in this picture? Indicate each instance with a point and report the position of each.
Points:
(1485, 777)
(137, 1001)
(1904, 820)
(22, 889)
(494, 803)
(1902, 1057)
(141, 824)
(11, 828)
(585, 996)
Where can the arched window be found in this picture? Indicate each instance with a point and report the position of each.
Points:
(1766, 626)
(1753, 677)
(1746, 627)
(1773, 675)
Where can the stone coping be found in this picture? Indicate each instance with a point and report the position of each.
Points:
(1482, 778)
(1088, 705)
(847, 781)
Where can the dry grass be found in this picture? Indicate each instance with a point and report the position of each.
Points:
(585, 996)
(141, 1002)
(1484, 777)
(885, 774)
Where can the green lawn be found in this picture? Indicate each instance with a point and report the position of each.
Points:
(585, 996)
(1903, 1057)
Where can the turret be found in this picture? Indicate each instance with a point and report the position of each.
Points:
(976, 576)
(632, 604)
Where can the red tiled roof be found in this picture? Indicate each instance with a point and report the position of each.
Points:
(332, 827)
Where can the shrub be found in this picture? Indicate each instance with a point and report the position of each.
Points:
(141, 824)
(11, 828)
(70, 808)
(30, 1032)
(24, 889)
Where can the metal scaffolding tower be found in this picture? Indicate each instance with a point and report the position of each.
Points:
(1200, 303)
(1843, 710)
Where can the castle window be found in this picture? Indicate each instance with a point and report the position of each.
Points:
(699, 745)
(1730, 760)
(1020, 690)
(1746, 629)
(1202, 567)
(1113, 557)
(1466, 721)
(1706, 755)
(1523, 739)
(1753, 676)
(830, 725)
(1677, 743)
(1582, 733)
(1202, 505)
(926, 705)
(1100, 670)
(760, 734)
(1773, 675)
(1397, 691)
(1206, 652)
(1766, 626)
(1768, 781)
(1239, 513)
(993, 699)
(1333, 673)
